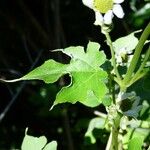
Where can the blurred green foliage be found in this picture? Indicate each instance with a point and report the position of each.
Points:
(30, 27)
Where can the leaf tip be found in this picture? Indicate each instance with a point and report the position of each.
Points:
(10, 81)
(52, 106)
(26, 130)
(57, 50)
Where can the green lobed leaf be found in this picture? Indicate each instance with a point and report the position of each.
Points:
(87, 78)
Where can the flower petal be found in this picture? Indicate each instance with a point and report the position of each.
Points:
(118, 1)
(88, 3)
(98, 18)
(108, 17)
(118, 11)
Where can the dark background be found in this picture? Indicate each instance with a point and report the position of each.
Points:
(29, 30)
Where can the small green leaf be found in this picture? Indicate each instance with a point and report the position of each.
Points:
(37, 143)
(33, 143)
(107, 100)
(51, 146)
(98, 123)
(135, 143)
(128, 43)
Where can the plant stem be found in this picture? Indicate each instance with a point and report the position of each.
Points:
(115, 132)
(109, 142)
(112, 87)
(109, 42)
(113, 141)
(137, 54)
(113, 138)
(139, 72)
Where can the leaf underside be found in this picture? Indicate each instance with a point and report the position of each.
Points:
(128, 43)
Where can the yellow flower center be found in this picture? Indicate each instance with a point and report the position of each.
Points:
(103, 5)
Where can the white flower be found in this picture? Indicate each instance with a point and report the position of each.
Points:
(105, 10)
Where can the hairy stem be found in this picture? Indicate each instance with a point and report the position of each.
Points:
(113, 138)
(109, 42)
(115, 132)
(113, 142)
